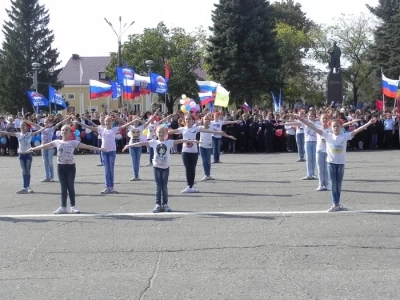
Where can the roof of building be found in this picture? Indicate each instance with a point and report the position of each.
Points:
(91, 66)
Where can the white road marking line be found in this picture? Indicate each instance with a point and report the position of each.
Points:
(236, 213)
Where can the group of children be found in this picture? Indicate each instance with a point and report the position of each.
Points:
(330, 141)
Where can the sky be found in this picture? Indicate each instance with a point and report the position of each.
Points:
(80, 28)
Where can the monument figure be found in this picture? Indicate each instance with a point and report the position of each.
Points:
(334, 61)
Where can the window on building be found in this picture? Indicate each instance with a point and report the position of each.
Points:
(70, 96)
(93, 108)
(102, 76)
(136, 108)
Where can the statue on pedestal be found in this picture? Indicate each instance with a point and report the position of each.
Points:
(334, 61)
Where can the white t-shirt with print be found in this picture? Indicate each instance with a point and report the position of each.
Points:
(205, 139)
(189, 134)
(136, 133)
(151, 131)
(108, 138)
(321, 142)
(217, 126)
(309, 134)
(65, 151)
(161, 153)
(47, 135)
(336, 147)
(24, 141)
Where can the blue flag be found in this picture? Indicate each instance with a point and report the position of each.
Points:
(116, 89)
(158, 84)
(37, 99)
(56, 98)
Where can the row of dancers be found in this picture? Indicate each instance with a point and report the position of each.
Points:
(332, 137)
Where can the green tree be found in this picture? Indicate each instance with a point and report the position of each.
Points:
(242, 51)
(27, 40)
(385, 53)
(355, 36)
(184, 52)
(290, 13)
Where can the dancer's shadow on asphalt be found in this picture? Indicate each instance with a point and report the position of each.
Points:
(25, 220)
(371, 192)
(159, 218)
(228, 216)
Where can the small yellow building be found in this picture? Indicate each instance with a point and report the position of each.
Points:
(76, 90)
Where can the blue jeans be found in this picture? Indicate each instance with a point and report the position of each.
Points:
(322, 169)
(311, 151)
(109, 162)
(48, 155)
(374, 141)
(300, 144)
(135, 153)
(216, 144)
(206, 158)
(99, 145)
(151, 154)
(336, 173)
(25, 160)
(161, 179)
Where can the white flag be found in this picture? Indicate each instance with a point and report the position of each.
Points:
(80, 72)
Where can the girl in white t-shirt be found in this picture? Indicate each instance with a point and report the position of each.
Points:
(336, 143)
(190, 154)
(322, 164)
(66, 166)
(108, 135)
(206, 147)
(25, 156)
(48, 154)
(216, 138)
(161, 163)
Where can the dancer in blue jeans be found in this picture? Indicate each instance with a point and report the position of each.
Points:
(108, 135)
(25, 156)
(206, 147)
(48, 154)
(161, 163)
(336, 144)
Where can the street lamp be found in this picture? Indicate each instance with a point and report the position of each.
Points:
(122, 30)
(150, 64)
(35, 67)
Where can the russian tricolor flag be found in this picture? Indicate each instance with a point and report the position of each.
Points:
(207, 92)
(389, 87)
(246, 107)
(99, 89)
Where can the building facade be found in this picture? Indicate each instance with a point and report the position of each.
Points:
(76, 87)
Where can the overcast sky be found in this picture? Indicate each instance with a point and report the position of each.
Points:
(79, 25)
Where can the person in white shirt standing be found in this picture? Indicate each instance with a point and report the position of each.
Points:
(161, 163)
(25, 156)
(217, 138)
(66, 166)
(336, 144)
(108, 136)
(48, 154)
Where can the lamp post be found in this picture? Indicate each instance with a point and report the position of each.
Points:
(122, 30)
(35, 67)
(150, 64)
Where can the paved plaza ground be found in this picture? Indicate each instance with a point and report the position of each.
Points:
(256, 232)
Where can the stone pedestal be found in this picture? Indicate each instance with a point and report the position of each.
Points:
(334, 88)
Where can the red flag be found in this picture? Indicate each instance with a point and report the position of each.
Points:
(167, 70)
(379, 105)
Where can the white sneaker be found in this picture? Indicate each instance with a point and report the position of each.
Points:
(205, 178)
(29, 190)
(105, 191)
(187, 190)
(74, 210)
(194, 190)
(320, 188)
(22, 191)
(60, 210)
